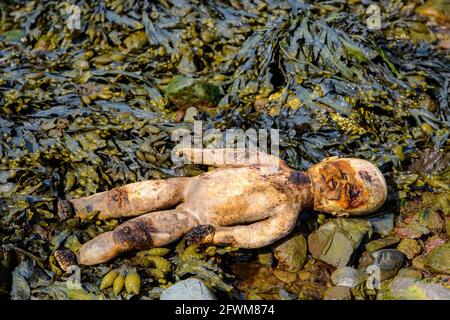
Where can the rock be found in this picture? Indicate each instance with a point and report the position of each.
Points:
(189, 289)
(435, 222)
(381, 243)
(13, 35)
(409, 247)
(346, 277)
(411, 232)
(421, 223)
(431, 219)
(438, 260)
(304, 275)
(406, 288)
(285, 276)
(337, 293)
(383, 225)
(336, 241)
(291, 254)
(410, 273)
(433, 242)
(438, 11)
(266, 259)
(419, 263)
(418, 32)
(388, 260)
(185, 92)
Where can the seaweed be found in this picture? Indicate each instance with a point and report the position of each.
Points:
(83, 111)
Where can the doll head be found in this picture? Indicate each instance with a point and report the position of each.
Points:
(347, 186)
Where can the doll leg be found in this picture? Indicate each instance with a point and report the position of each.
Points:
(153, 229)
(128, 200)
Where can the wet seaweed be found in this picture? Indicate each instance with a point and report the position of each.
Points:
(83, 111)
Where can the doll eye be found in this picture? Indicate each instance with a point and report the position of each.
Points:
(344, 176)
(353, 192)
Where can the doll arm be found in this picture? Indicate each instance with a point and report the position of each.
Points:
(257, 234)
(229, 157)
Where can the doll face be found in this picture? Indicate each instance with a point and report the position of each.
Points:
(347, 185)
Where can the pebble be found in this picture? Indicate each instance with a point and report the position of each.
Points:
(189, 289)
(291, 254)
(346, 277)
(438, 260)
(185, 92)
(409, 288)
(409, 247)
(433, 242)
(337, 293)
(388, 260)
(381, 243)
(383, 225)
(285, 276)
(336, 241)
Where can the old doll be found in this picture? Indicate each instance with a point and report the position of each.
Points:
(246, 204)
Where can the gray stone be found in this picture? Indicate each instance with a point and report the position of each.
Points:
(410, 273)
(438, 259)
(189, 289)
(389, 261)
(346, 277)
(337, 293)
(291, 254)
(383, 224)
(409, 247)
(13, 35)
(185, 92)
(378, 244)
(336, 241)
(408, 288)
